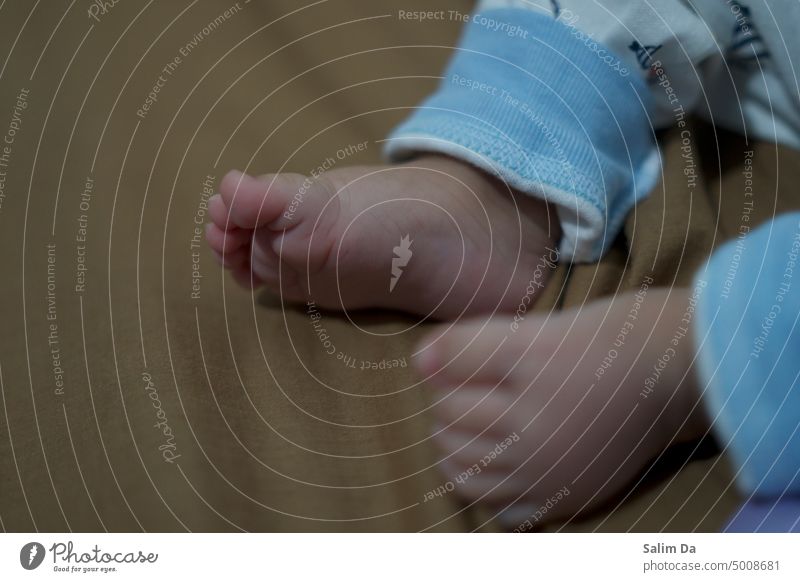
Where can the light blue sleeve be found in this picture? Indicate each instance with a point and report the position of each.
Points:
(537, 103)
(748, 334)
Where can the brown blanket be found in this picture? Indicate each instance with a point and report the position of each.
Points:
(141, 390)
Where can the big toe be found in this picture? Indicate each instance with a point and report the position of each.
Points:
(474, 352)
(255, 202)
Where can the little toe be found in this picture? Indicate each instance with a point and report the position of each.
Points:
(245, 277)
(232, 260)
(274, 275)
(226, 241)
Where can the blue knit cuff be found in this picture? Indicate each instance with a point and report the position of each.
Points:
(748, 331)
(553, 113)
(781, 515)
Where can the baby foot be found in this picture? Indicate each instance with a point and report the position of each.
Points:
(432, 237)
(567, 410)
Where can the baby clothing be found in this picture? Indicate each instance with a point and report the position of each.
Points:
(747, 332)
(561, 98)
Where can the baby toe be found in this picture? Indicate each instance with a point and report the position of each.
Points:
(475, 483)
(476, 352)
(476, 409)
(245, 277)
(218, 213)
(256, 202)
(232, 260)
(226, 241)
(275, 276)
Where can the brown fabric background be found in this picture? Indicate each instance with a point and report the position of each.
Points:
(263, 445)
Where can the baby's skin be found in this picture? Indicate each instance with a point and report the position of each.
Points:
(461, 241)
(579, 421)
(436, 237)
